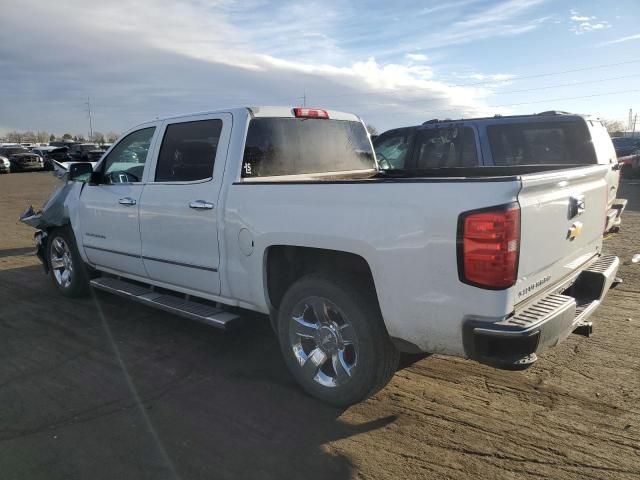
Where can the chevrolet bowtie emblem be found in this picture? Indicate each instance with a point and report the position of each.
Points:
(574, 230)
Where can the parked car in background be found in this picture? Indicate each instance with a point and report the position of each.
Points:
(283, 211)
(52, 154)
(21, 159)
(630, 164)
(624, 146)
(5, 165)
(85, 152)
(63, 143)
(548, 138)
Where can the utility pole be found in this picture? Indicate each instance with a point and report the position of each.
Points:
(304, 97)
(90, 119)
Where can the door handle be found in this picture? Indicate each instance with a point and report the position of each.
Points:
(201, 205)
(127, 201)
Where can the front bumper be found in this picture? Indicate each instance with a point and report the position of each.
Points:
(515, 341)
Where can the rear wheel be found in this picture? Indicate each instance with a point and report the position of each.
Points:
(67, 270)
(334, 341)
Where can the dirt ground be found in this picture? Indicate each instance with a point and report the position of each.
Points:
(101, 388)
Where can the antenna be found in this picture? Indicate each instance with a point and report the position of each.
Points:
(88, 104)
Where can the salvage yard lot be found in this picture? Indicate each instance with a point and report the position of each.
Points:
(103, 388)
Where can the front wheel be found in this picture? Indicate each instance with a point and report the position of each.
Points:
(67, 270)
(334, 340)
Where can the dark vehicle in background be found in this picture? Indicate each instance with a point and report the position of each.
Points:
(85, 152)
(63, 143)
(21, 159)
(52, 154)
(625, 145)
(548, 138)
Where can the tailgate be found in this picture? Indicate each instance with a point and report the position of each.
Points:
(562, 222)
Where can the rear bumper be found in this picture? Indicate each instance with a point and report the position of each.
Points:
(515, 341)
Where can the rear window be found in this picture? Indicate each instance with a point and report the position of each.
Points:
(541, 143)
(294, 146)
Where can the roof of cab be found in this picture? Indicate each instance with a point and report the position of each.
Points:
(258, 112)
(542, 116)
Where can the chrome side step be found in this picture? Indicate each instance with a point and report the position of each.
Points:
(216, 317)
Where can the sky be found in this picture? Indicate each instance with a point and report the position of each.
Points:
(393, 63)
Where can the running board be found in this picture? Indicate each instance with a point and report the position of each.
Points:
(216, 317)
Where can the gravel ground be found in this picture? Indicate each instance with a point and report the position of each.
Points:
(101, 388)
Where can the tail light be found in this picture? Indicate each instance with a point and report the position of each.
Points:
(310, 113)
(489, 246)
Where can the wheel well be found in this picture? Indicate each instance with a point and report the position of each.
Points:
(285, 264)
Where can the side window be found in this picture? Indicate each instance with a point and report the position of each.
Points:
(392, 148)
(446, 147)
(125, 163)
(188, 151)
(541, 143)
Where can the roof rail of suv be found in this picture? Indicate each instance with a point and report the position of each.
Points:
(554, 112)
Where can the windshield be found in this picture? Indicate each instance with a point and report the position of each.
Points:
(293, 146)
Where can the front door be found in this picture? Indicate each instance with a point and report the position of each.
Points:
(178, 207)
(109, 211)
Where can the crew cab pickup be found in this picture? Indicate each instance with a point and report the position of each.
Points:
(283, 211)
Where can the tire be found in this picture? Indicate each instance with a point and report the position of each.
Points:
(63, 256)
(343, 355)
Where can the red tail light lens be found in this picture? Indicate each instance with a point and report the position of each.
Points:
(489, 247)
(310, 113)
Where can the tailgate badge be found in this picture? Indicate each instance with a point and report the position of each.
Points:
(576, 206)
(574, 230)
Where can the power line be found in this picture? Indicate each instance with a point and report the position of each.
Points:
(570, 84)
(463, 109)
(567, 98)
(487, 82)
(548, 74)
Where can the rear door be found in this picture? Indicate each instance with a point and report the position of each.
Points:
(109, 211)
(562, 220)
(178, 208)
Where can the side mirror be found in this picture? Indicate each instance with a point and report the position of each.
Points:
(80, 172)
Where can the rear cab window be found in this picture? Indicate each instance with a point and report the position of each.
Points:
(541, 143)
(277, 147)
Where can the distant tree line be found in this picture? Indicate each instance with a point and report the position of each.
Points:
(45, 137)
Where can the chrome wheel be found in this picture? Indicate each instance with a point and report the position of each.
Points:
(323, 341)
(61, 262)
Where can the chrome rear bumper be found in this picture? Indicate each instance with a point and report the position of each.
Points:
(534, 327)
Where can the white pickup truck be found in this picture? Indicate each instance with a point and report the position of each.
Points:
(283, 211)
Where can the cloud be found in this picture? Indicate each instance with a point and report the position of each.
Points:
(155, 57)
(581, 24)
(416, 57)
(622, 40)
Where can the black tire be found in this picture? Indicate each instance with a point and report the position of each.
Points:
(375, 358)
(79, 275)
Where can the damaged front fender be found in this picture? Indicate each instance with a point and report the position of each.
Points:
(54, 213)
